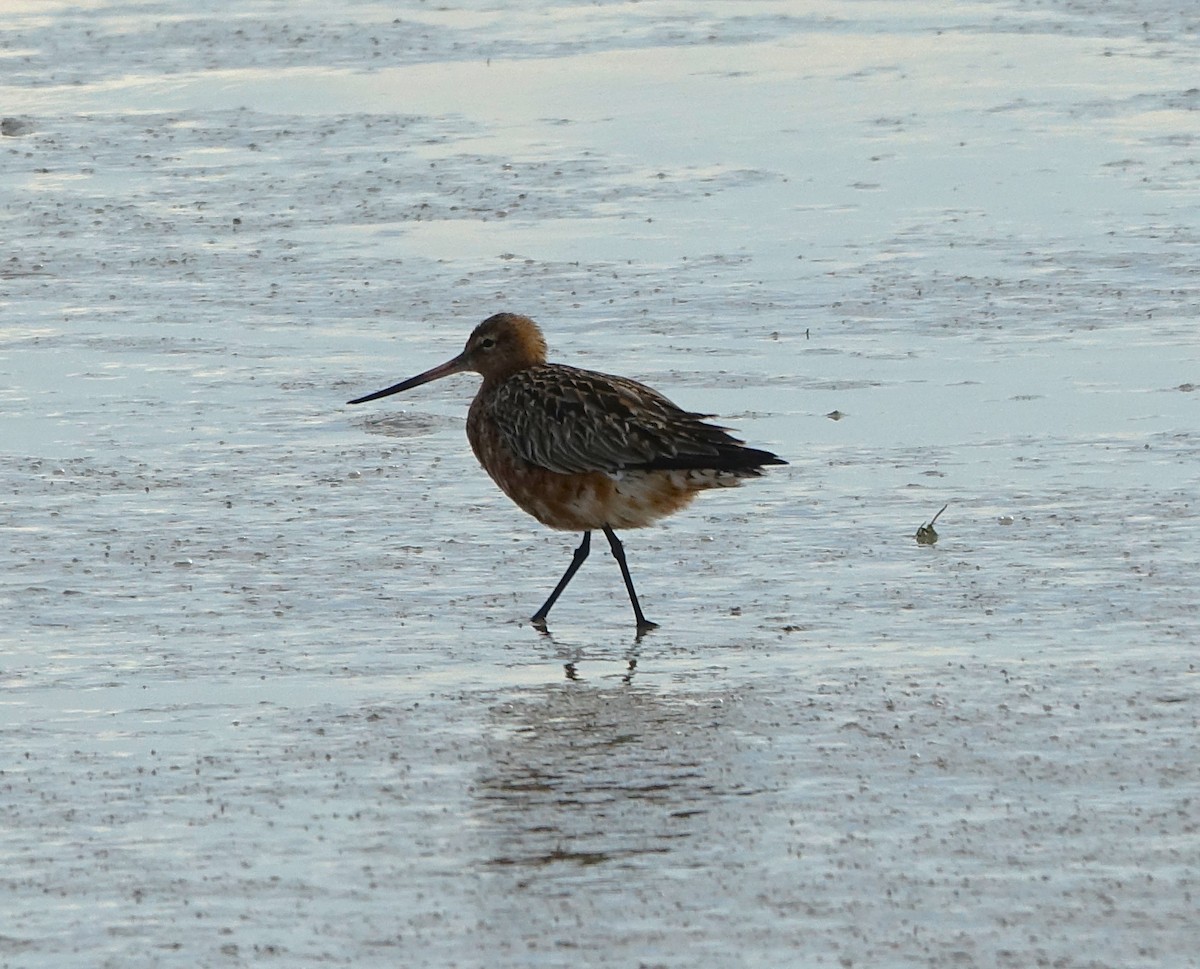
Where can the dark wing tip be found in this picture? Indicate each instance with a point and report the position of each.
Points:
(730, 457)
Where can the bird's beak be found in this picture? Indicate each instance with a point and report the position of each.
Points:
(457, 365)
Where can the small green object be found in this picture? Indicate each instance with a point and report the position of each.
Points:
(927, 534)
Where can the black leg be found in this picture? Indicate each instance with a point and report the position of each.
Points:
(581, 553)
(618, 550)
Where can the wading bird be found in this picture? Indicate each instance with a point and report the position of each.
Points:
(581, 450)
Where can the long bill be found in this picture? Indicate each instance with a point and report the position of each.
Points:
(457, 365)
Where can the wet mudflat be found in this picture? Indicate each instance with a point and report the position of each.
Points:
(268, 692)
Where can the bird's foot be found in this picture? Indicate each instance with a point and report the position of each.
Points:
(644, 626)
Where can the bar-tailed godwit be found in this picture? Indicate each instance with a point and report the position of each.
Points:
(581, 450)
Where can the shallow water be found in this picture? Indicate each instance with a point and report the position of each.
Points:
(268, 689)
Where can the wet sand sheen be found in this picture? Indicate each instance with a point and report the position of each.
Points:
(269, 687)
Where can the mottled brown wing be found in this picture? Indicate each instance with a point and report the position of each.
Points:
(570, 420)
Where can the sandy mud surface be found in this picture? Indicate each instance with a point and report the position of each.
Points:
(268, 692)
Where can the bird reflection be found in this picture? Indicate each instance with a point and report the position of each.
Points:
(572, 671)
(580, 775)
(574, 655)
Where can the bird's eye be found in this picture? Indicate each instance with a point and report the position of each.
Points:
(487, 343)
